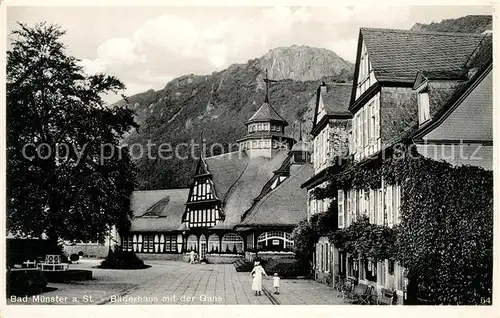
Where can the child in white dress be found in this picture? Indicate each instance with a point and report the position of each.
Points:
(276, 283)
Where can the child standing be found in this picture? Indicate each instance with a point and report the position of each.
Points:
(276, 283)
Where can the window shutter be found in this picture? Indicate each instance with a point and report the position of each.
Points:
(390, 206)
(397, 208)
(369, 114)
(360, 131)
(340, 200)
(380, 208)
(349, 207)
(354, 194)
(366, 126)
(362, 202)
(354, 133)
(372, 207)
(325, 146)
(377, 118)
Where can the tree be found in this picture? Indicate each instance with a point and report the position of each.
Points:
(304, 237)
(66, 174)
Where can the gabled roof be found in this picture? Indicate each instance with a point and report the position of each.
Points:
(335, 97)
(479, 65)
(286, 205)
(158, 210)
(239, 180)
(266, 113)
(453, 102)
(439, 75)
(396, 55)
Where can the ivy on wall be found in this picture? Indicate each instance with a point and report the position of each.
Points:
(445, 238)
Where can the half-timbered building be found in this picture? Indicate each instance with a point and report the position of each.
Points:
(239, 202)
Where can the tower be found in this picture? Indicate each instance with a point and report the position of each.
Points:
(265, 130)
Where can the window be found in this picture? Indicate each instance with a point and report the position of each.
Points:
(192, 243)
(232, 243)
(423, 107)
(370, 270)
(365, 79)
(170, 242)
(365, 137)
(266, 126)
(265, 241)
(127, 243)
(148, 243)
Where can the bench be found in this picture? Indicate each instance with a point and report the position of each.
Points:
(386, 297)
(355, 291)
(53, 263)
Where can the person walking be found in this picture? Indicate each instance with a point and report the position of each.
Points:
(257, 273)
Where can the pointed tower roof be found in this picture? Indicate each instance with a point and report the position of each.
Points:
(267, 113)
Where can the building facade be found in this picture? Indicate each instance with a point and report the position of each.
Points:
(401, 93)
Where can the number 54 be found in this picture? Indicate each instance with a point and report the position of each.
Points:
(485, 300)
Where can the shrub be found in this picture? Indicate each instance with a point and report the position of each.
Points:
(74, 257)
(286, 268)
(119, 259)
(80, 254)
(304, 237)
(25, 282)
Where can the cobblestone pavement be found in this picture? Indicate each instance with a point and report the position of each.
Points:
(171, 282)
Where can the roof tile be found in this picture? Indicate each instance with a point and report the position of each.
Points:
(397, 55)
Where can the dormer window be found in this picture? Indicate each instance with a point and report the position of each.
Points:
(266, 126)
(423, 107)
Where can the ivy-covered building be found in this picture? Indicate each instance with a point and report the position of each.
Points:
(410, 89)
(239, 202)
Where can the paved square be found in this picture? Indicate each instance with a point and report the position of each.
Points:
(171, 282)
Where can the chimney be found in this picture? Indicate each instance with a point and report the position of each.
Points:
(323, 87)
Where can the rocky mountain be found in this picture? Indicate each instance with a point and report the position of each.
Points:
(303, 63)
(467, 24)
(220, 103)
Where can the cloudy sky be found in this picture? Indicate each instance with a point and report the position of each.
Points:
(148, 46)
